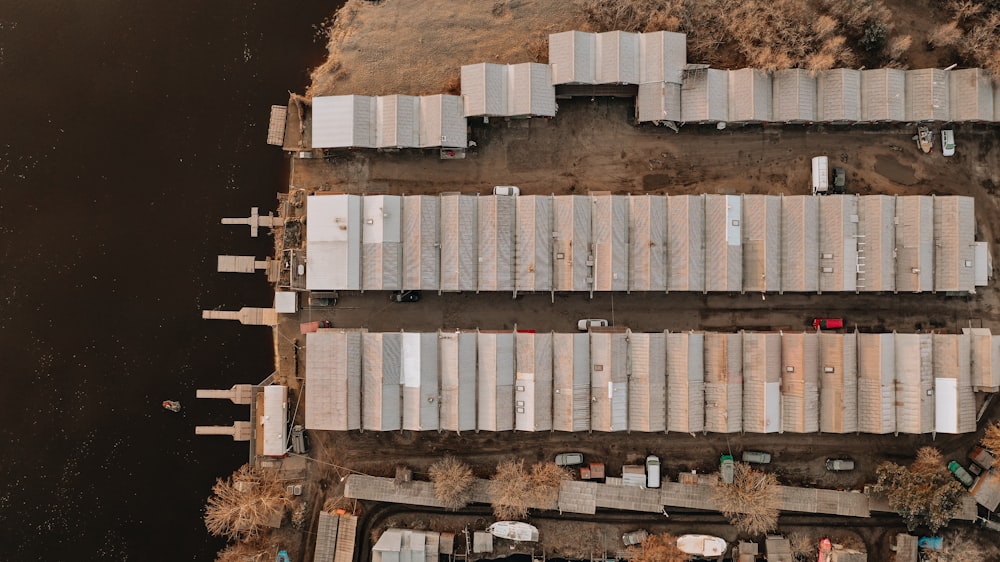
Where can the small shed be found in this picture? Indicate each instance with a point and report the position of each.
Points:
(685, 382)
(533, 266)
(987, 490)
(794, 92)
(778, 549)
(981, 457)
(800, 244)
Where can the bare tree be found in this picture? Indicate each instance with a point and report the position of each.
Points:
(945, 35)
(453, 481)
(751, 501)
(991, 439)
(803, 545)
(546, 477)
(510, 489)
(253, 551)
(658, 548)
(923, 493)
(241, 506)
(961, 547)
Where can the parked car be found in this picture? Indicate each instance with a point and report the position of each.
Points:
(635, 537)
(960, 474)
(405, 296)
(569, 459)
(948, 142)
(839, 180)
(828, 323)
(653, 471)
(506, 190)
(588, 323)
(726, 468)
(838, 465)
(756, 457)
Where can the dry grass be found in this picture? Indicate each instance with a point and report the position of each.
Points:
(750, 502)
(545, 480)
(241, 505)
(453, 481)
(658, 548)
(511, 491)
(991, 438)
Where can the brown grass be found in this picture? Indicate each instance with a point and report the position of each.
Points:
(453, 481)
(750, 502)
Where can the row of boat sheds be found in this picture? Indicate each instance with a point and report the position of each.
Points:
(652, 68)
(602, 242)
(611, 380)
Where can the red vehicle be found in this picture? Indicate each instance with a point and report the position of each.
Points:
(828, 323)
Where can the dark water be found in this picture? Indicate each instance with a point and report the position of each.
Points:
(127, 130)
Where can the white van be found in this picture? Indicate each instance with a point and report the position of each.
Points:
(652, 471)
(820, 175)
(511, 190)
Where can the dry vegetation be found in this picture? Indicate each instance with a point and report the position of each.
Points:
(923, 493)
(657, 548)
(453, 481)
(242, 505)
(515, 489)
(973, 31)
(963, 546)
(991, 439)
(750, 502)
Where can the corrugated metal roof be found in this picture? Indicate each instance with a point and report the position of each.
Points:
(705, 95)
(420, 381)
(658, 101)
(496, 381)
(761, 243)
(648, 383)
(761, 382)
(800, 244)
(421, 248)
(458, 363)
(608, 382)
(484, 89)
(442, 122)
(647, 261)
(838, 398)
(326, 537)
(915, 244)
(274, 422)
(800, 382)
(397, 120)
(382, 246)
(985, 357)
(571, 382)
(333, 367)
(333, 242)
(876, 383)
(971, 95)
(749, 95)
(955, 403)
(794, 95)
(662, 56)
(883, 94)
(954, 234)
(496, 243)
(686, 243)
(723, 242)
(459, 243)
(530, 90)
(381, 370)
(685, 382)
(877, 243)
(573, 57)
(839, 92)
(571, 238)
(343, 122)
(533, 382)
(838, 243)
(914, 383)
(927, 95)
(723, 382)
(617, 57)
(610, 232)
(534, 242)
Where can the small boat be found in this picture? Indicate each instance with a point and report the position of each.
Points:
(514, 531)
(701, 545)
(172, 405)
(925, 139)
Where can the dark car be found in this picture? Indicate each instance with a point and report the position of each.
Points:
(405, 296)
(839, 180)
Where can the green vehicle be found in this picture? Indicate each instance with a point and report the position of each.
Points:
(726, 468)
(961, 474)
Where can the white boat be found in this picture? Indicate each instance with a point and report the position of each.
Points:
(701, 545)
(514, 531)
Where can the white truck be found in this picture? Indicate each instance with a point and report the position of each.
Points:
(820, 175)
(652, 471)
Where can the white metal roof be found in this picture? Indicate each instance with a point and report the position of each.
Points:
(662, 56)
(398, 121)
(458, 361)
(971, 95)
(608, 382)
(333, 242)
(927, 95)
(533, 382)
(484, 89)
(749, 95)
(496, 243)
(839, 91)
(382, 247)
(343, 122)
(800, 244)
(883, 94)
(534, 242)
(723, 382)
(421, 247)
(658, 101)
(530, 90)
(877, 243)
(381, 371)
(610, 238)
(985, 358)
(495, 385)
(274, 420)
(761, 382)
(647, 260)
(954, 235)
(333, 367)
(954, 401)
(762, 237)
(571, 382)
(572, 268)
(648, 382)
(686, 243)
(914, 383)
(705, 95)
(838, 399)
(723, 242)
(838, 243)
(617, 57)
(685, 382)
(876, 383)
(442, 122)
(915, 244)
(459, 243)
(420, 381)
(794, 92)
(573, 57)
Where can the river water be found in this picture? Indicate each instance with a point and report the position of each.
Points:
(127, 130)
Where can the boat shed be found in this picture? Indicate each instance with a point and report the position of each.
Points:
(573, 57)
(877, 244)
(955, 402)
(442, 122)
(573, 266)
(344, 122)
(954, 234)
(647, 229)
(985, 357)
(876, 384)
(927, 95)
(800, 244)
(686, 243)
(648, 382)
(617, 58)
(459, 243)
(381, 377)
(761, 382)
(971, 95)
(274, 421)
(496, 243)
(495, 384)
(333, 242)
(762, 237)
(398, 119)
(658, 101)
(838, 243)
(610, 231)
(571, 382)
(883, 95)
(382, 246)
(914, 383)
(839, 91)
(608, 381)
(800, 382)
(723, 382)
(420, 381)
(533, 382)
(686, 382)
(333, 367)
(662, 56)
(421, 245)
(915, 244)
(484, 89)
(794, 91)
(705, 96)
(533, 242)
(530, 91)
(723, 243)
(458, 363)
(838, 397)
(750, 96)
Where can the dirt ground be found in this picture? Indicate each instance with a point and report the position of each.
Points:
(406, 46)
